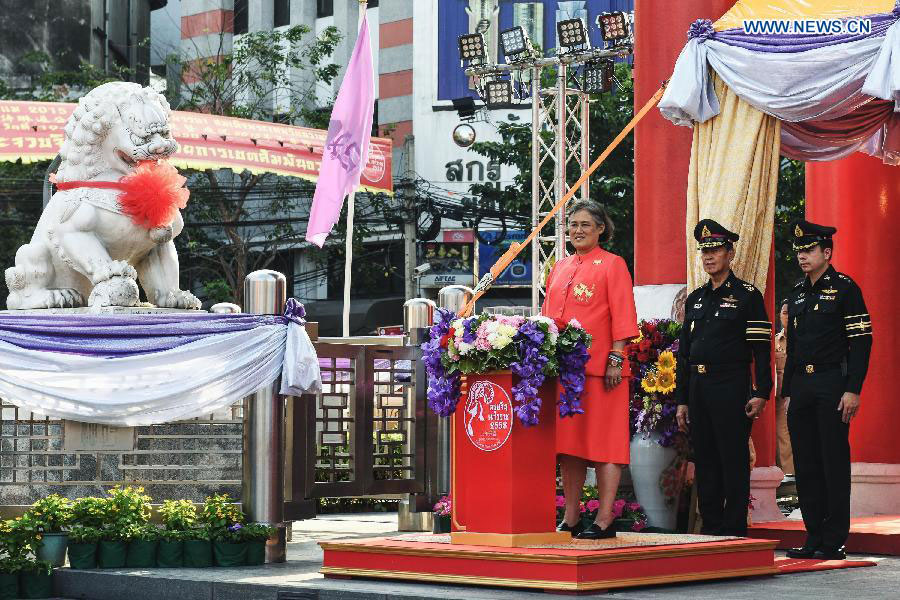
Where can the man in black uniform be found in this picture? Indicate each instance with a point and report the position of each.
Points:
(725, 327)
(829, 339)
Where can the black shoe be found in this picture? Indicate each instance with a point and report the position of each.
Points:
(575, 529)
(804, 552)
(830, 554)
(594, 532)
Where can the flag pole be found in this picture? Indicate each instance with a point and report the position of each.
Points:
(348, 262)
(348, 252)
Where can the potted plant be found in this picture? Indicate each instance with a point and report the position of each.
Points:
(229, 547)
(49, 517)
(255, 536)
(83, 547)
(442, 511)
(9, 576)
(142, 543)
(124, 511)
(658, 448)
(225, 519)
(35, 579)
(197, 548)
(178, 517)
(89, 511)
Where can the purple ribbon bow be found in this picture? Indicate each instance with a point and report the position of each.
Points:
(701, 28)
(294, 311)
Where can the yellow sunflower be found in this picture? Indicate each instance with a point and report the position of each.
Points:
(665, 382)
(649, 383)
(666, 361)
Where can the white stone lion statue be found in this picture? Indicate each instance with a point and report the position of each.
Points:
(85, 246)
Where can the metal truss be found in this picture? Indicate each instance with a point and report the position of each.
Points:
(559, 153)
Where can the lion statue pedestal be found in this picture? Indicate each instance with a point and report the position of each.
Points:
(106, 229)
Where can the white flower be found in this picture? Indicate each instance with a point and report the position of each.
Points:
(500, 341)
(506, 330)
(574, 323)
(464, 347)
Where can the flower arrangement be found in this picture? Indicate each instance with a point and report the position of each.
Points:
(444, 506)
(532, 348)
(629, 515)
(653, 404)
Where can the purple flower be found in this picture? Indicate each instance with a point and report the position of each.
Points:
(235, 527)
(702, 29)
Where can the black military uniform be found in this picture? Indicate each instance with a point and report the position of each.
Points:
(724, 329)
(829, 339)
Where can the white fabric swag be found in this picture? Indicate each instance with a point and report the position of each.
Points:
(189, 381)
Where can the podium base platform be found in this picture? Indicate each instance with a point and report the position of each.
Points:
(510, 540)
(569, 569)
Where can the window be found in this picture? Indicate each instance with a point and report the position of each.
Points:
(324, 8)
(282, 12)
(372, 4)
(240, 16)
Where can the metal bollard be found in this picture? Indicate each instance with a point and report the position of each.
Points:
(453, 298)
(418, 316)
(263, 456)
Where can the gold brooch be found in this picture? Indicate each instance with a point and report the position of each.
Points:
(582, 291)
(810, 369)
(599, 261)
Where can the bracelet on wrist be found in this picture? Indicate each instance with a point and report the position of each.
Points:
(615, 360)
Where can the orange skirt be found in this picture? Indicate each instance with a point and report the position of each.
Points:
(601, 433)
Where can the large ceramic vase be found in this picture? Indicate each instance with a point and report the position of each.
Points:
(648, 460)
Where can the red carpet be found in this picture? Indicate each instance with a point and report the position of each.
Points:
(801, 565)
(868, 535)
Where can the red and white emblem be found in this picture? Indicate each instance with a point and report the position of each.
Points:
(488, 416)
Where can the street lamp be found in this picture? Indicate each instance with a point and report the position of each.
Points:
(573, 36)
(472, 48)
(614, 26)
(498, 93)
(516, 44)
(598, 77)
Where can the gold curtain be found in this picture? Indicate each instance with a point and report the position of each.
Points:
(733, 179)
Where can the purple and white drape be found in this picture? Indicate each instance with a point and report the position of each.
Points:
(835, 94)
(145, 369)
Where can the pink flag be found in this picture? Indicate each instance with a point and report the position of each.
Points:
(347, 144)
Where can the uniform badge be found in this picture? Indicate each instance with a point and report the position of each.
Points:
(731, 299)
(832, 291)
(583, 292)
(599, 261)
(698, 305)
(798, 232)
(706, 232)
(816, 307)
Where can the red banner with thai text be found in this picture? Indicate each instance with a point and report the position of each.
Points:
(33, 131)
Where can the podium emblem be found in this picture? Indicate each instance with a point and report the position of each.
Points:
(488, 416)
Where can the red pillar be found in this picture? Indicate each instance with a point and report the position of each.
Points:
(662, 151)
(861, 197)
(764, 429)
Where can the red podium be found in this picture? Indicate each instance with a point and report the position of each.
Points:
(503, 473)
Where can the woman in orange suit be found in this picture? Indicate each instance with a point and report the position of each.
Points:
(594, 287)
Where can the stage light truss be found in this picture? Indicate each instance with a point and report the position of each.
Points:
(472, 49)
(598, 77)
(573, 36)
(614, 26)
(516, 44)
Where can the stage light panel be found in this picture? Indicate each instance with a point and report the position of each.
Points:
(613, 26)
(472, 47)
(598, 77)
(515, 42)
(498, 93)
(573, 34)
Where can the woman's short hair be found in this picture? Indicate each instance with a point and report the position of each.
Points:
(599, 214)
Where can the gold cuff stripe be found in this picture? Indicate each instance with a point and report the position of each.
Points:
(757, 330)
(856, 316)
(858, 326)
(859, 334)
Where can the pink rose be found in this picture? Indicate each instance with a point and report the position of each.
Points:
(633, 506)
(593, 505)
(618, 507)
(581, 507)
(639, 525)
(560, 501)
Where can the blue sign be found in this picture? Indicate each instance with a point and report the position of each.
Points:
(518, 272)
(539, 17)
